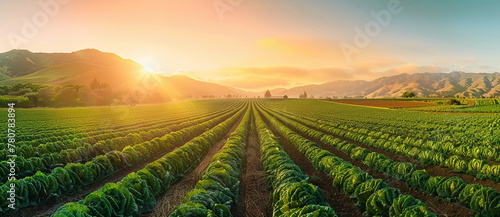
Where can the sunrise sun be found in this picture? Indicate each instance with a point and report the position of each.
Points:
(148, 66)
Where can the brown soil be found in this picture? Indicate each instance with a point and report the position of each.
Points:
(392, 104)
(174, 196)
(254, 197)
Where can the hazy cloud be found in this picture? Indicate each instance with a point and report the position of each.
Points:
(296, 46)
(254, 82)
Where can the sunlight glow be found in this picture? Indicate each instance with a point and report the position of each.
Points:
(149, 66)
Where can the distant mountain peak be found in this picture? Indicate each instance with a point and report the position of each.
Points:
(451, 84)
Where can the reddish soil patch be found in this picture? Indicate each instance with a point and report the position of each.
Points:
(392, 104)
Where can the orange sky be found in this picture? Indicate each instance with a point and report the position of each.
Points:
(257, 45)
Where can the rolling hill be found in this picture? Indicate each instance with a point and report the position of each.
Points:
(181, 85)
(82, 67)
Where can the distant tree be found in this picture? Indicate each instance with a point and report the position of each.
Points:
(46, 94)
(104, 85)
(75, 86)
(303, 96)
(17, 87)
(105, 96)
(21, 92)
(32, 87)
(95, 84)
(285, 97)
(454, 102)
(4, 90)
(408, 94)
(86, 96)
(33, 97)
(66, 96)
(267, 94)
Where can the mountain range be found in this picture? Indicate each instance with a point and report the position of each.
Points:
(423, 84)
(82, 67)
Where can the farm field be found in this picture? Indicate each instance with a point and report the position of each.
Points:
(251, 157)
(466, 106)
(478, 109)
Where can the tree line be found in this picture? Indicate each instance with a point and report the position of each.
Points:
(37, 95)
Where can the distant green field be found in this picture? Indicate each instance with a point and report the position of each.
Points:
(466, 106)
(458, 108)
(442, 104)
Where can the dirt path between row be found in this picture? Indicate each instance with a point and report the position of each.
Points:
(254, 197)
(174, 196)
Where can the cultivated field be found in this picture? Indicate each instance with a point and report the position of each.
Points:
(266, 157)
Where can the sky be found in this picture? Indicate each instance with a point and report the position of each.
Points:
(257, 45)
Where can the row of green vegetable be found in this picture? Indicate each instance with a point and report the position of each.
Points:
(86, 152)
(373, 195)
(217, 191)
(482, 130)
(58, 144)
(34, 190)
(40, 126)
(135, 194)
(484, 200)
(481, 152)
(292, 194)
(475, 167)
